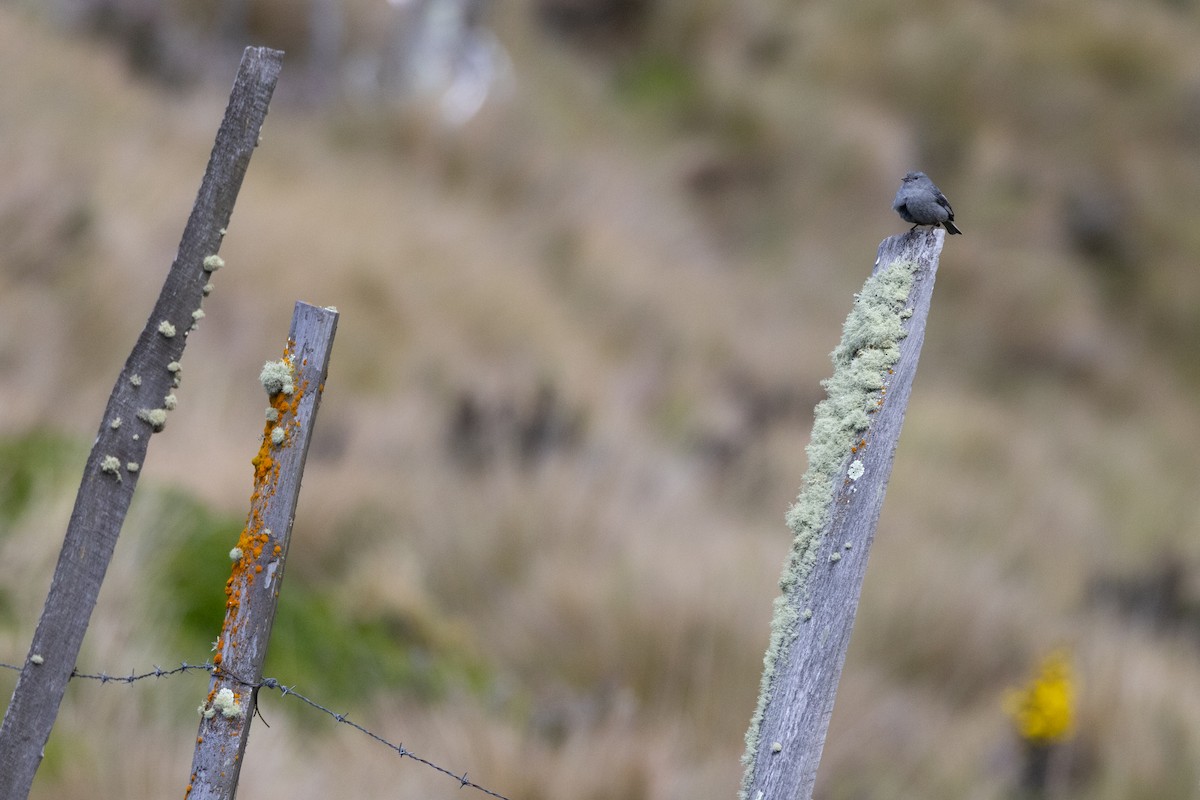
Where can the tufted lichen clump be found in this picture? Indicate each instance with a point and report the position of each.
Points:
(156, 418)
(276, 377)
(862, 361)
(226, 702)
(223, 702)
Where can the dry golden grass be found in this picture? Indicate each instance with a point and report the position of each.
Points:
(618, 592)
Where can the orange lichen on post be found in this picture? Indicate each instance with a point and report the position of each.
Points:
(255, 536)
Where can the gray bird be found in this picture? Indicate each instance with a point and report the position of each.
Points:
(922, 203)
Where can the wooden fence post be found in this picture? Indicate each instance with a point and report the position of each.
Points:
(137, 407)
(294, 385)
(855, 432)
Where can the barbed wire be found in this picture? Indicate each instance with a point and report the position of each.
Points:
(285, 691)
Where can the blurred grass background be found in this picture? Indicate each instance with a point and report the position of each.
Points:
(583, 328)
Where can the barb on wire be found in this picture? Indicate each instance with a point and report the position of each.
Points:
(285, 691)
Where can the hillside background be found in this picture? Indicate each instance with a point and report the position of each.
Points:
(584, 322)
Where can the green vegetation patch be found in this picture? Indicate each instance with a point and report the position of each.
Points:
(660, 82)
(329, 651)
(31, 461)
(342, 656)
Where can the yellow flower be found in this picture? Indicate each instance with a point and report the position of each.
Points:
(1044, 710)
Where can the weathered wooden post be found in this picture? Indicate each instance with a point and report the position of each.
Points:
(294, 385)
(855, 432)
(137, 408)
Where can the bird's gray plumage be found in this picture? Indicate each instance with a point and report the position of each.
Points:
(922, 203)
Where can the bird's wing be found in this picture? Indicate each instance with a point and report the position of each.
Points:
(944, 203)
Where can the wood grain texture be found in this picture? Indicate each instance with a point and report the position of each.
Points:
(799, 691)
(258, 571)
(136, 409)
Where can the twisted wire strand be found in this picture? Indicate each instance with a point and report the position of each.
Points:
(285, 691)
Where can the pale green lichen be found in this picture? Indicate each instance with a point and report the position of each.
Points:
(132, 466)
(277, 436)
(135, 380)
(207, 290)
(170, 402)
(37, 660)
(116, 423)
(272, 414)
(227, 704)
(174, 367)
(856, 470)
(156, 418)
(213, 263)
(835, 557)
(868, 349)
(166, 329)
(235, 554)
(111, 465)
(276, 377)
(198, 314)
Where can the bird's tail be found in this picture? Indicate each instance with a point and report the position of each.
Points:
(950, 227)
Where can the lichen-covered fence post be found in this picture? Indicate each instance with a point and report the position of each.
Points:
(855, 432)
(294, 385)
(138, 406)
